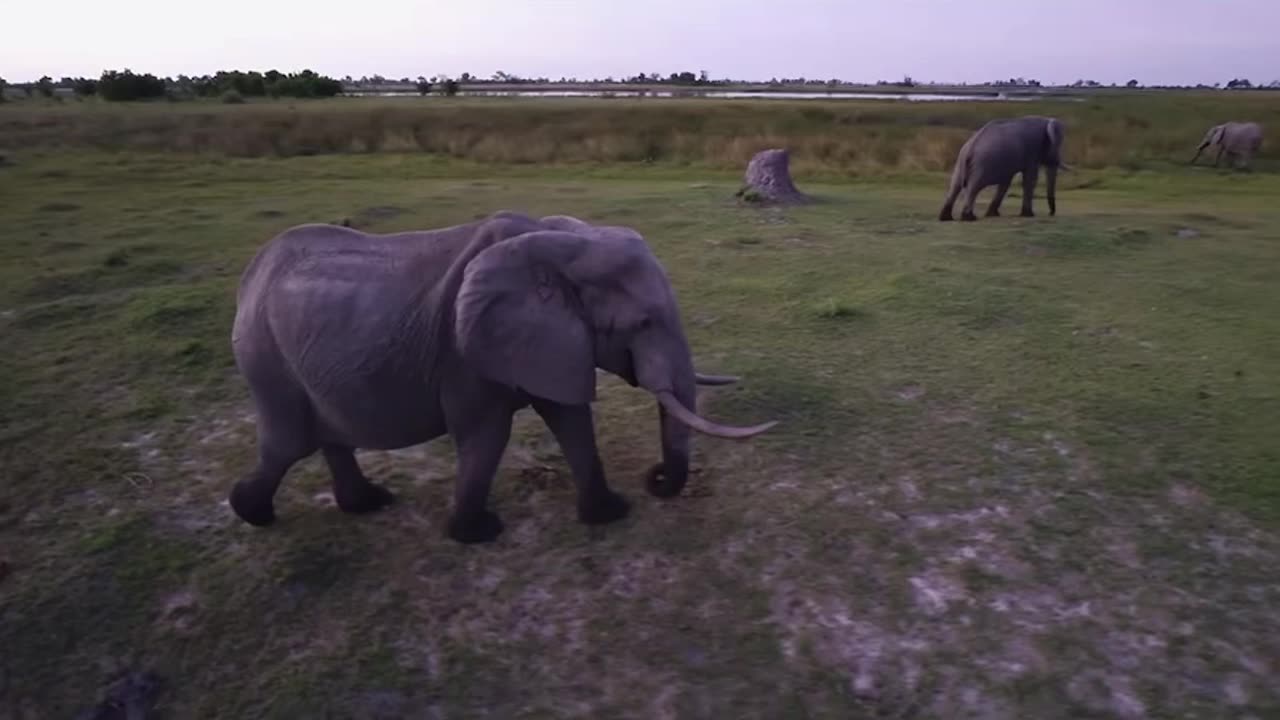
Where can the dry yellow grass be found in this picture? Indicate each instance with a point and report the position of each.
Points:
(851, 137)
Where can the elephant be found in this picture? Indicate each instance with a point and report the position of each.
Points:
(350, 340)
(1241, 140)
(999, 150)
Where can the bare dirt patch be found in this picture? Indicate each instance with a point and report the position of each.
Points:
(925, 578)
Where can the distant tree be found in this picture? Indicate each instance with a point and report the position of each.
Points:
(449, 87)
(45, 86)
(1239, 84)
(1131, 84)
(702, 77)
(4, 86)
(466, 77)
(423, 85)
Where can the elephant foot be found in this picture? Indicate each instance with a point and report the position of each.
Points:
(967, 216)
(471, 528)
(993, 213)
(603, 508)
(945, 216)
(1026, 213)
(366, 498)
(251, 504)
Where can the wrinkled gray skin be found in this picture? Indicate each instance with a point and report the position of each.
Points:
(351, 340)
(1239, 140)
(998, 151)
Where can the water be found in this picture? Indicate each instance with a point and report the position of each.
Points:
(736, 95)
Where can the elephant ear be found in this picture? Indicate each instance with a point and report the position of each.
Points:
(518, 321)
(1218, 133)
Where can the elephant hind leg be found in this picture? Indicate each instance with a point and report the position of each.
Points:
(352, 491)
(949, 204)
(958, 175)
(285, 436)
(993, 210)
(1029, 177)
(970, 199)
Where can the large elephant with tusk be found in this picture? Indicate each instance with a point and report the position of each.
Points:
(352, 340)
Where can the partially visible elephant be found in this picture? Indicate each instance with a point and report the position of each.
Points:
(1240, 140)
(998, 151)
(353, 340)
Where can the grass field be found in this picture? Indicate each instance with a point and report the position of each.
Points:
(1025, 468)
(831, 140)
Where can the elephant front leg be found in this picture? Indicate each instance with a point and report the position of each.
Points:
(480, 446)
(352, 491)
(574, 430)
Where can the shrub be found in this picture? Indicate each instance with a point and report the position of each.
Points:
(231, 97)
(306, 84)
(84, 87)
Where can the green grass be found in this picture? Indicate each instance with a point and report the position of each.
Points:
(1025, 467)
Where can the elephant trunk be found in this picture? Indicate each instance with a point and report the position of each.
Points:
(1051, 187)
(668, 478)
(670, 376)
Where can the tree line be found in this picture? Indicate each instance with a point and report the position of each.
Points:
(236, 85)
(127, 85)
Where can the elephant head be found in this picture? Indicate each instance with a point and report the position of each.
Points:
(1213, 137)
(542, 310)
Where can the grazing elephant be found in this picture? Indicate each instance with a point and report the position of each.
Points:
(352, 340)
(998, 151)
(1241, 140)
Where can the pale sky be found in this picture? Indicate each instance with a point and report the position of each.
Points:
(1155, 41)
